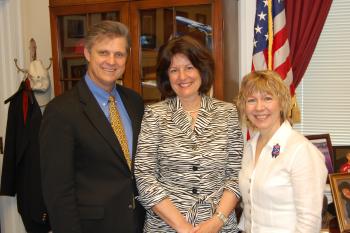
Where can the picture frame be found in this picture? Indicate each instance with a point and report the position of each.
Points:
(340, 187)
(73, 70)
(148, 29)
(76, 68)
(324, 144)
(74, 30)
(340, 153)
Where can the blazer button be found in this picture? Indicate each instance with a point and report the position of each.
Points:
(195, 168)
(194, 191)
(44, 217)
(130, 206)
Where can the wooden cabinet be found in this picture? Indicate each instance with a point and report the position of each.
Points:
(151, 23)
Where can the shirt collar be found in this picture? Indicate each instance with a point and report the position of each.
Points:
(280, 137)
(98, 92)
(206, 103)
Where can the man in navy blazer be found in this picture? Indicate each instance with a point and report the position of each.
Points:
(88, 186)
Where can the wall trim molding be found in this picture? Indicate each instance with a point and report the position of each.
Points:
(246, 13)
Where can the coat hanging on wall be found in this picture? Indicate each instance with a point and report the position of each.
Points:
(21, 163)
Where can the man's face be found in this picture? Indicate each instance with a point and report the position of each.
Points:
(107, 59)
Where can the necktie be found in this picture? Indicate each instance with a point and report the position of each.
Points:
(119, 129)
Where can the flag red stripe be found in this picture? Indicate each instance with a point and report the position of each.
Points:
(279, 39)
(284, 68)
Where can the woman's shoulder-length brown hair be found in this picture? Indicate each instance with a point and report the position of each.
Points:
(199, 56)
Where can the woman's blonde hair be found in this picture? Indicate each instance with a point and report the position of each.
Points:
(264, 82)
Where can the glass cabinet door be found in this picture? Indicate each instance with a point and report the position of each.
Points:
(72, 30)
(151, 24)
(157, 26)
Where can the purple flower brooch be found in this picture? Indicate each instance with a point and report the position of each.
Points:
(275, 151)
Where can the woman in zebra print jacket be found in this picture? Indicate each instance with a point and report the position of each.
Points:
(189, 149)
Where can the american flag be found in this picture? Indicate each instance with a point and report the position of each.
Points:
(278, 36)
(270, 26)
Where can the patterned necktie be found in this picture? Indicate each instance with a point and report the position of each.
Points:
(119, 129)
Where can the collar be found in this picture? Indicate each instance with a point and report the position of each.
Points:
(280, 137)
(204, 117)
(206, 104)
(98, 92)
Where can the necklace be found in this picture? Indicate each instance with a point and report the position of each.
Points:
(191, 116)
(191, 111)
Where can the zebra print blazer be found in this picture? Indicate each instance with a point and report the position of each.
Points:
(190, 167)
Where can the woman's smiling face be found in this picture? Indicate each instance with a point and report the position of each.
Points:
(185, 79)
(263, 111)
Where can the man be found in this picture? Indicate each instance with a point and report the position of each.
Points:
(87, 181)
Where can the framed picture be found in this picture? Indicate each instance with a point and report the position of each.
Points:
(74, 29)
(148, 41)
(78, 71)
(73, 70)
(341, 158)
(148, 28)
(76, 68)
(340, 186)
(323, 143)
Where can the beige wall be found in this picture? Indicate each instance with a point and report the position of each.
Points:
(36, 24)
(20, 20)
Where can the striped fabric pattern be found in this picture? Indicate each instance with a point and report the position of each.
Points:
(191, 167)
(281, 62)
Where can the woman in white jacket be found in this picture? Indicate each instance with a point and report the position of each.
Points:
(283, 175)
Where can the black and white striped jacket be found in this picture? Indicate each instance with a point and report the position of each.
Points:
(191, 167)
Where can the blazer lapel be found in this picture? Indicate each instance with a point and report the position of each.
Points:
(25, 126)
(97, 118)
(180, 119)
(205, 115)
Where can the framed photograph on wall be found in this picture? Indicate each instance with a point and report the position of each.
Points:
(148, 28)
(323, 143)
(76, 68)
(74, 30)
(73, 70)
(340, 186)
(341, 158)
